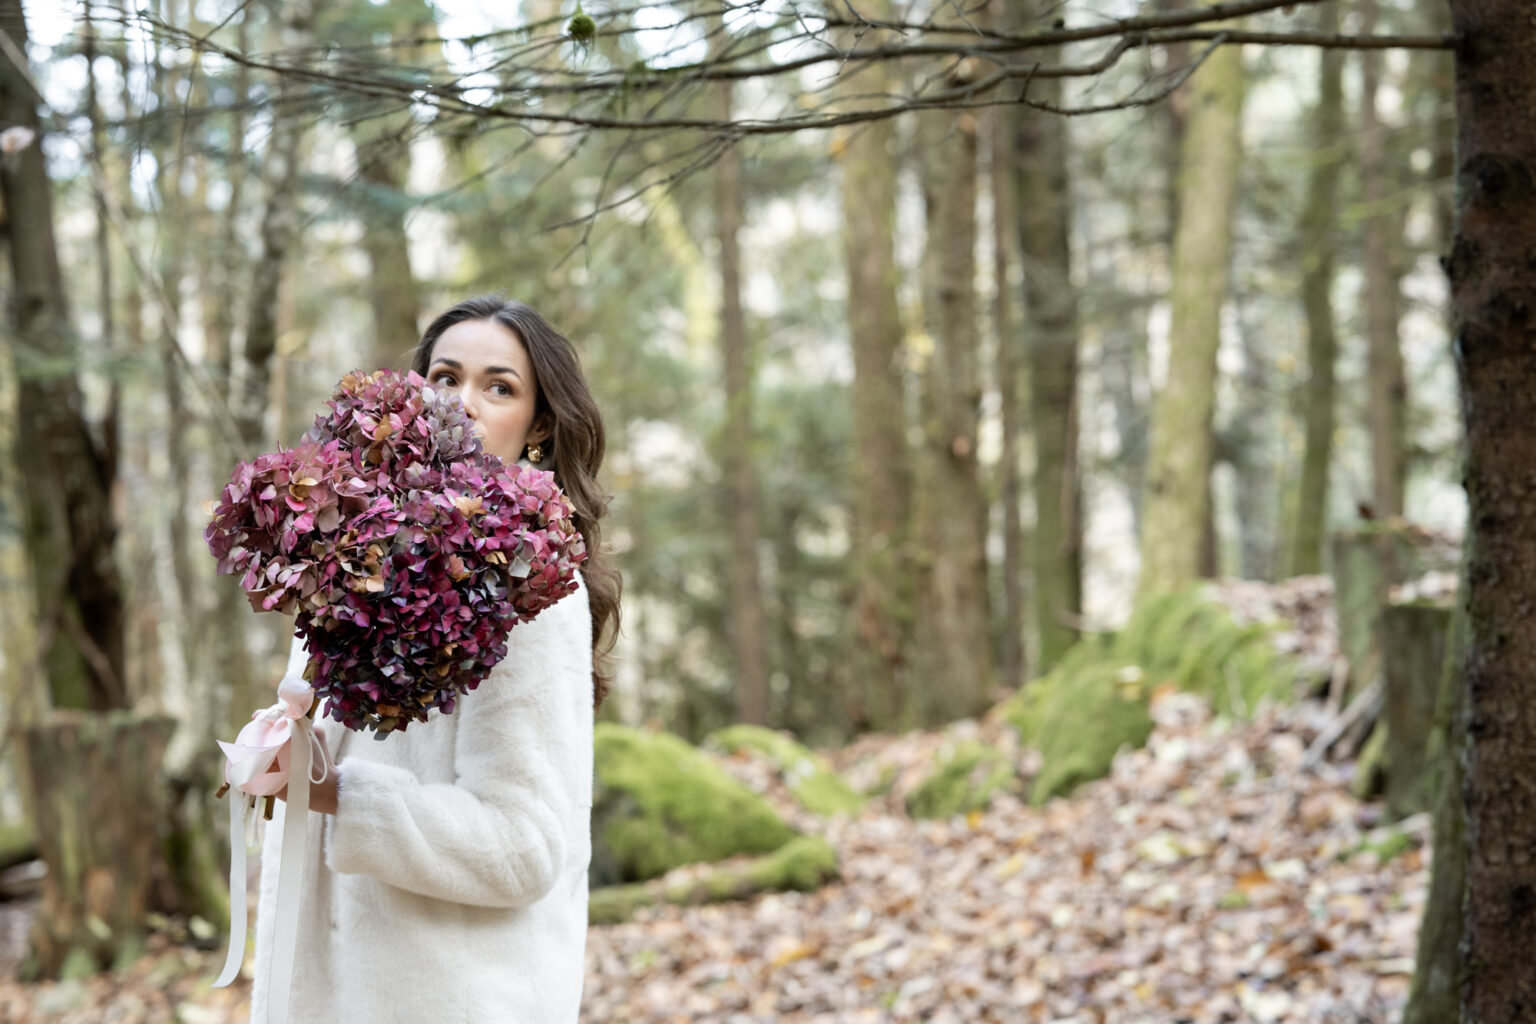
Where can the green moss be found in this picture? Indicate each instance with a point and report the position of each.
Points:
(1085, 719)
(803, 864)
(1022, 709)
(1095, 700)
(966, 780)
(1370, 765)
(612, 904)
(1386, 844)
(661, 803)
(18, 842)
(813, 783)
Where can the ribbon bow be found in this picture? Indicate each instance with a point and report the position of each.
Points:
(263, 759)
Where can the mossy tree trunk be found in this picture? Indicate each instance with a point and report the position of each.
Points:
(96, 798)
(1043, 209)
(1495, 344)
(954, 657)
(881, 479)
(1179, 467)
(1318, 237)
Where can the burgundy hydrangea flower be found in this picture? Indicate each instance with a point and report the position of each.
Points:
(406, 550)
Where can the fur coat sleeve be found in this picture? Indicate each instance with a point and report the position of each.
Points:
(496, 835)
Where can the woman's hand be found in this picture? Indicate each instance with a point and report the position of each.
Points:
(322, 794)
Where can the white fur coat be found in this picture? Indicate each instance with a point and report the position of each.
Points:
(451, 885)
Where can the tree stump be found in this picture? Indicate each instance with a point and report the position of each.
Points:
(1413, 645)
(97, 798)
(1367, 563)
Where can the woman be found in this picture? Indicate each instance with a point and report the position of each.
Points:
(447, 874)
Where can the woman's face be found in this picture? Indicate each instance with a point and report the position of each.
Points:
(488, 367)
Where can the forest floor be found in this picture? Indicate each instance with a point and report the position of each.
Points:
(1214, 876)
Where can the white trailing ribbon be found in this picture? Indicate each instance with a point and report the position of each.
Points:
(263, 759)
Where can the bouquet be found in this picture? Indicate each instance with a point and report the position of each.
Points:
(406, 551)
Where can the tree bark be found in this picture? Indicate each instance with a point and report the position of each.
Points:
(956, 650)
(1044, 209)
(1309, 527)
(1495, 345)
(279, 232)
(67, 475)
(1012, 655)
(1388, 388)
(95, 795)
(384, 163)
(742, 493)
(881, 473)
(1434, 996)
(1179, 464)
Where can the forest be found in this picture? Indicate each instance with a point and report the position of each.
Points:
(1070, 467)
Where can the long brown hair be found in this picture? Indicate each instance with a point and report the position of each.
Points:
(574, 450)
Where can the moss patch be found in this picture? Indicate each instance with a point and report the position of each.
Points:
(803, 864)
(810, 780)
(1084, 719)
(661, 803)
(18, 843)
(1095, 700)
(964, 781)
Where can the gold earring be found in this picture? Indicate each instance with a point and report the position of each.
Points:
(535, 453)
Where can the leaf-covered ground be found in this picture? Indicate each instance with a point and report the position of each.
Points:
(1211, 878)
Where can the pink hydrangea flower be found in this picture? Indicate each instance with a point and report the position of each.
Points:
(406, 551)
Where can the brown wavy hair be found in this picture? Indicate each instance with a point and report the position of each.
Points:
(574, 450)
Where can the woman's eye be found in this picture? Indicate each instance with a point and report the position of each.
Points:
(504, 390)
(445, 379)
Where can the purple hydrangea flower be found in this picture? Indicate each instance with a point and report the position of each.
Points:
(406, 551)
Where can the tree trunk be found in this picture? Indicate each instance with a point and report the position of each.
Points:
(1179, 466)
(67, 475)
(1250, 439)
(1317, 235)
(279, 232)
(1388, 388)
(95, 793)
(1044, 208)
(384, 164)
(1434, 997)
(747, 619)
(1495, 344)
(956, 669)
(1012, 656)
(881, 475)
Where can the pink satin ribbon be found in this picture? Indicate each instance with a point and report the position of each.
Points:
(267, 741)
(263, 759)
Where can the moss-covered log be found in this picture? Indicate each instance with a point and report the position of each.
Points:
(96, 798)
(803, 864)
(661, 803)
